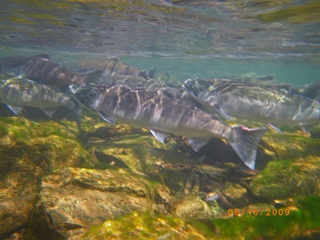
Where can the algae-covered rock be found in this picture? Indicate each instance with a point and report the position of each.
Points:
(299, 220)
(288, 178)
(174, 179)
(290, 145)
(15, 212)
(79, 198)
(189, 206)
(28, 151)
(145, 226)
(135, 150)
(294, 169)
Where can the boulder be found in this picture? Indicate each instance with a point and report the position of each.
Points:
(73, 199)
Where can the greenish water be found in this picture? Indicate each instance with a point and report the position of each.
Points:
(297, 70)
(283, 70)
(182, 39)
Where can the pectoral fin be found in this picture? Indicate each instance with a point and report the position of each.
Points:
(161, 137)
(222, 113)
(107, 118)
(49, 111)
(16, 110)
(275, 128)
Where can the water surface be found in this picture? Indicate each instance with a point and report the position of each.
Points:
(183, 38)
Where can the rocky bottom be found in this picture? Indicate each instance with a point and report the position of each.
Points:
(118, 182)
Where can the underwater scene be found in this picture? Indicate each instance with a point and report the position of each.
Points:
(159, 119)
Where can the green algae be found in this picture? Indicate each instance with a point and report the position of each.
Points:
(301, 216)
(145, 226)
(290, 145)
(47, 144)
(46, 4)
(283, 179)
(294, 12)
(23, 129)
(307, 13)
(20, 20)
(134, 150)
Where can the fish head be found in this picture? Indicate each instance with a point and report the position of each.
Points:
(84, 94)
(200, 89)
(193, 87)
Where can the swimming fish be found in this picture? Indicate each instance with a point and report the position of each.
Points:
(40, 68)
(112, 67)
(274, 104)
(161, 114)
(18, 92)
(311, 90)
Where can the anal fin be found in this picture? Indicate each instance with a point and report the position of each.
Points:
(16, 110)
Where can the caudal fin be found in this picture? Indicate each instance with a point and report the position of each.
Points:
(244, 142)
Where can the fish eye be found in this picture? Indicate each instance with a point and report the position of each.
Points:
(211, 88)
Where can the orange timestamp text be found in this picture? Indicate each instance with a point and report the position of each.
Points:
(259, 212)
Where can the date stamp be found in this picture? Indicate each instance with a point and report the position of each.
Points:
(259, 212)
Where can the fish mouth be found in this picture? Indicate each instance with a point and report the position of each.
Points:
(75, 89)
(190, 87)
(186, 87)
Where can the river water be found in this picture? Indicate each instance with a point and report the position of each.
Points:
(183, 39)
(56, 181)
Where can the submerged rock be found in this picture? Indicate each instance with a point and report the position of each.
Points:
(133, 149)
(145, 226)
(29, 151)
(299, 220)
(294, 169)
(15, 212)
(80, 198)
(287, 178)
(190, 206)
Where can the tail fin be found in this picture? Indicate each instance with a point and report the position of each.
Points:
(245, 143)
